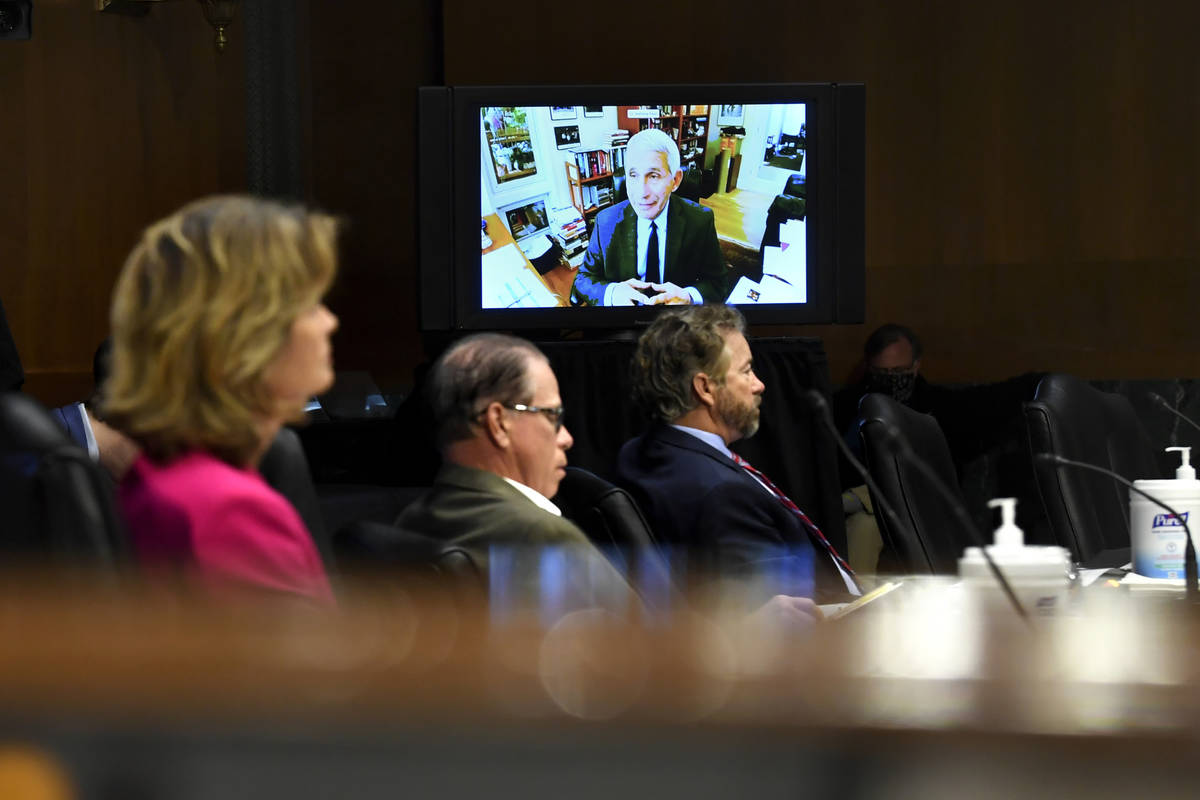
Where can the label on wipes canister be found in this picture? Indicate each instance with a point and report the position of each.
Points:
(1158, 542)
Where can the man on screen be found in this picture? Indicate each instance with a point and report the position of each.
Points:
(653, 248)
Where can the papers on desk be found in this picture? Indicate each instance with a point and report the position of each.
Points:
(1141, 583)
(834, 611)
(509, 283)
(791, 232)
(785, 276)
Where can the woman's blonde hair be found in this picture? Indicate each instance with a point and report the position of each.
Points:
(204, 303)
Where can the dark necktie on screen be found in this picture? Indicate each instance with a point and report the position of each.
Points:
(795, 509)
(652, 272)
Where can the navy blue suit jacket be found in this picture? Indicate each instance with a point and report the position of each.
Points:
(697, 498)
(71, 419)
(693, 255)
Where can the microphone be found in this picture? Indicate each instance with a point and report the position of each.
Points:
(1189, 550)
(816, 402)
(1162, 401)
(902, 449)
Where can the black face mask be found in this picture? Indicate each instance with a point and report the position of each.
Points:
(897, 385)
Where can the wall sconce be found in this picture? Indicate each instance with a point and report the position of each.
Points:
(219, 13)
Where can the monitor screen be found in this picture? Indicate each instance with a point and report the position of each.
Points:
(597, 206)
(623, 205)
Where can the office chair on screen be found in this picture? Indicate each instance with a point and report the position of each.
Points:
(1088, 512)
(56, 504)
(930, 541)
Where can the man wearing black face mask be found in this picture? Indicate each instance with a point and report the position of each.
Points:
(892, 356)
(975, 419)
(972, 417)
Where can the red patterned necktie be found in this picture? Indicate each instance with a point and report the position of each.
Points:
(795, 509)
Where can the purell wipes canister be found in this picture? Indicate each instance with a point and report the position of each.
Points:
(1157, 537)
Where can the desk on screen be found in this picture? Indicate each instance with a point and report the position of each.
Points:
(508, 279)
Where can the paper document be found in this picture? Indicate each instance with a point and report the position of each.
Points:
(1141, 582)
(792, 232)
(508, 283)
(788, 265)
(771, 290)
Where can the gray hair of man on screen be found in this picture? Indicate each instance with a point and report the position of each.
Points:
(655, 141)
(476, 371)
(677, 346)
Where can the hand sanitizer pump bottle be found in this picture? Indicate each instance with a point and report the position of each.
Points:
(1038, 575)
(1157, 539)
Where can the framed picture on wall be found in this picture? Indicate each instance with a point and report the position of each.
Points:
(566, 112)
(730, 115)
(566, 136)
(593, 111)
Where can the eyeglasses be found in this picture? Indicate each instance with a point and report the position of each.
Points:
(555, 414)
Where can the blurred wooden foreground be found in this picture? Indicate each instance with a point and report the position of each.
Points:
(411, 685)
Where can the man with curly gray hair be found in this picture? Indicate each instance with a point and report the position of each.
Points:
(693, 374)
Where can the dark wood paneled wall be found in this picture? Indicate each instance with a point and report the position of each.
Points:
(1032, 168)
(107, 122)
(367, 62)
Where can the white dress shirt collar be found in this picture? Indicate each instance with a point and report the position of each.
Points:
(536, 497)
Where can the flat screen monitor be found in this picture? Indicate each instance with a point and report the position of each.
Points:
(596, 207)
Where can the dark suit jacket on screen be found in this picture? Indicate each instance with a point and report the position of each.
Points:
(693, 254)
(697, 498)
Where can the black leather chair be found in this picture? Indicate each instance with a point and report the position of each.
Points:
(606, 513)
(56, 504)
(1088, 512)
(930, 539)
(612, 521)
(370, 545)
(285, 467)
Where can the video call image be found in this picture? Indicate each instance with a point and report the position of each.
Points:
(593, 206)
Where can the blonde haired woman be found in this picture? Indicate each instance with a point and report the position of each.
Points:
(219, 338)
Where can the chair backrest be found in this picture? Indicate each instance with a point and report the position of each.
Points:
(931, 539)
(285, 467)
(57, 504)
(374, 545)
(612, 521)
(1088, 512)
(605, 512)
